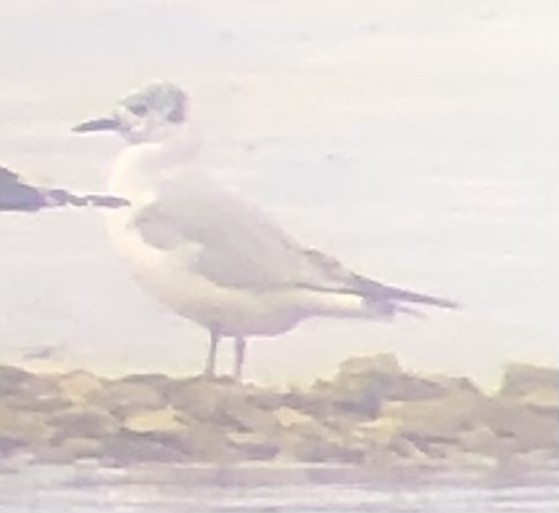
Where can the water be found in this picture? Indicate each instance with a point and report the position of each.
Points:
(44, 489)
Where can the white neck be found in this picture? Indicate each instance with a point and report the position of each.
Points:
(142, 166)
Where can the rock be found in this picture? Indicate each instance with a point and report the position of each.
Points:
(22, 429)
(372, 413)
(209, 442)
(289, 417)
(349, 395)
(121, 398)
(227, 405)
(432, 423)
(355, 395)
(520, 428)
(525, 413)
(9, 445)
(161, 420)
(83, 422)
(520, 379)
(381, 378)
(12, 380)
(200, 398)
(24, 391)
(78, 386)
(360, 387)
(80, 448)
(70, 451)
(125, 448)
(381, 432)
(320, 445)
(157, 382)
(479, 439)
(545, 400)
(534, 387)
(253, 446)
(18, 196)
(405, 452)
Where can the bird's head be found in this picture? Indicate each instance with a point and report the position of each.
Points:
(149, 113)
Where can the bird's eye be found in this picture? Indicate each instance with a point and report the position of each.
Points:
(139, 109)
(176, 115)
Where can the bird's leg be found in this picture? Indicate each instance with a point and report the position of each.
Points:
(240, 346)
(210, 362)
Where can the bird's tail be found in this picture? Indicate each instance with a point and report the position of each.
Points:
(391, 300)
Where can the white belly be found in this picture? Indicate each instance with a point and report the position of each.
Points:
(170, 276)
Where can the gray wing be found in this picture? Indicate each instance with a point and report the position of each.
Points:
(240, 247)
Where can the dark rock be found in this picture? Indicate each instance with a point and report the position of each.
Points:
(520, 428)
(17, 196)
(227, 405)
(24, 391)
(126, 447)
(382, 376)
(12, 380)
(534, 387)
(121, 398)
(253, 446)
(9, 445)
(83, 422)
(520, 379)
(25, 428)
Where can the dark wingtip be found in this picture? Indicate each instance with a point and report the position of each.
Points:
(374, 289)
(414, 297)
(447, 303)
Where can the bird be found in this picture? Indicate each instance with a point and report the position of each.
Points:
(207, 252)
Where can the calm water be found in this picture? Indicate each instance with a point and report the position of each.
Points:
(164, 490)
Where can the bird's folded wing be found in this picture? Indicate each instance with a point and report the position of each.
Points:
(238, 246)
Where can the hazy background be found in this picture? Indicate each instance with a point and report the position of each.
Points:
(416, 140)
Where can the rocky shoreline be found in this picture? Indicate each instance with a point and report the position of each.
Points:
(371, 415)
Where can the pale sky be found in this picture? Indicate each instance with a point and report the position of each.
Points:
(424, 133)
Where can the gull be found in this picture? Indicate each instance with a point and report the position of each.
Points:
(210, 255)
